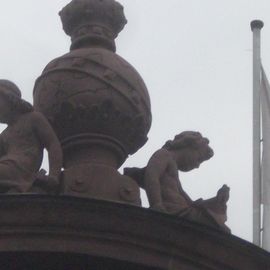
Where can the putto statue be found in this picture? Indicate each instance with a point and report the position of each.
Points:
(22, 143)
(165, 193)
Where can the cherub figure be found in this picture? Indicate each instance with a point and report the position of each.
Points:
(164, 190)
(23, 141)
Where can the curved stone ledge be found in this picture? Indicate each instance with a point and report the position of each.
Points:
(121, 234)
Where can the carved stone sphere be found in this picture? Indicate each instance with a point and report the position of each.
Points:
(95, 94)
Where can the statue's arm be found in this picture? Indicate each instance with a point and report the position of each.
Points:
(188, 199)
(50, 141)
(156, 167)
(2, 147)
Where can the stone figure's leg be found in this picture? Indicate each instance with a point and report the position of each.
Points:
(200, 215)
(8, 179)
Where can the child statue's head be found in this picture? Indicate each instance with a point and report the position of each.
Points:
(11, 103)
(190, 149)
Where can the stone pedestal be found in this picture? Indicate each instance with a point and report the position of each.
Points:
(92, 180)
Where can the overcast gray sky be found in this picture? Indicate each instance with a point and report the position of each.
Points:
(195, 57)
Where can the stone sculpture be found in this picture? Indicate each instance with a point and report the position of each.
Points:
(165, 193)
(99, 108)
(22, 143)
(96, 102)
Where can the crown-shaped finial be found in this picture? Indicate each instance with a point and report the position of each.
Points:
(93, 22)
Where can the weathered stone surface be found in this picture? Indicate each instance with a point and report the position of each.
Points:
(96, 102)
(22, 143)
(164, 190)
(96, 232)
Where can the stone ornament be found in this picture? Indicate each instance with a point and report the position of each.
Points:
(96, 102)
(99, 21)
(99, 108)
(164, 190)
(22, 143)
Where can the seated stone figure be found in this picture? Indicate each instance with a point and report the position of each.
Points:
(164, 190)
(23, 141)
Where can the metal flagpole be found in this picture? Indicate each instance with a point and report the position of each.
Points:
(265, 108)
(256, 27)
